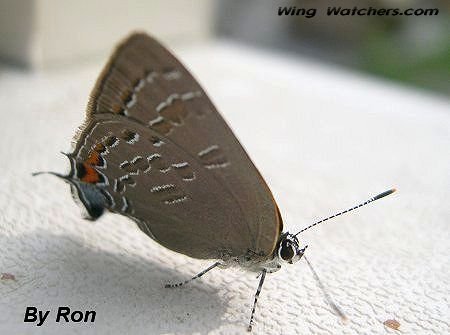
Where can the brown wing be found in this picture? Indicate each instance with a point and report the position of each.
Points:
(168, 159)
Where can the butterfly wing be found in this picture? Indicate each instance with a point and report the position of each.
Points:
(159, 151)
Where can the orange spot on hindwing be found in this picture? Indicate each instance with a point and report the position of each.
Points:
(94, 159)
(86, 171)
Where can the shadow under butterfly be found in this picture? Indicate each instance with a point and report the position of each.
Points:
(154, 148)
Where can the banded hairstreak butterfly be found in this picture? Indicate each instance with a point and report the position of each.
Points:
(154, 148)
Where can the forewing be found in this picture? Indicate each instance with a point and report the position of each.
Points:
(177, 168)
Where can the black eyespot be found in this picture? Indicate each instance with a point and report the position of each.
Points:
(91, 197)
(129, 136)
(111, 141)
(156, 141)
(127, 97)
(81, 170)
(286, 252)
(95, 212)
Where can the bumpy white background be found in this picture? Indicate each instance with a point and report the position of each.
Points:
(324, 139)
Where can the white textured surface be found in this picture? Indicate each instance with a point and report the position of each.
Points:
(323, 139)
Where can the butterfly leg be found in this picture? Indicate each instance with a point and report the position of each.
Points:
(195, 277)
(261, 281)
(327, 296)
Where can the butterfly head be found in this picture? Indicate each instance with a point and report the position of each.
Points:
(289, 250)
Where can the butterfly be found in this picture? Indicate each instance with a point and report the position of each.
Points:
(155, 149)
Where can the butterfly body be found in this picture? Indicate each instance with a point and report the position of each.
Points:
(154, 149)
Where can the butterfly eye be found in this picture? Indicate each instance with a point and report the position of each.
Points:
(286, 251)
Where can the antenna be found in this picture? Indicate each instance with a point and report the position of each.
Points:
(379, 196)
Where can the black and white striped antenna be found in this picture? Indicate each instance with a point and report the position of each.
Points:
(379, 196)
